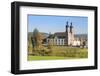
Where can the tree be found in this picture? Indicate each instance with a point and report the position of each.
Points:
(37, 39)
(84, 43)
(29, 45)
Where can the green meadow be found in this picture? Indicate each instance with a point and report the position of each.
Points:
(60, 52)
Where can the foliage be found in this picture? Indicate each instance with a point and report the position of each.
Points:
(37, 38)
(63, 51)
(37, 49)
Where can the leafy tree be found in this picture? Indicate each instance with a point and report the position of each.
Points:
(37, 39)
(84, 43)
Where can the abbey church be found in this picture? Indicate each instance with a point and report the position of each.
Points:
(67, 37)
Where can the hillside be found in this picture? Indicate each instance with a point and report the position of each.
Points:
(84, 36)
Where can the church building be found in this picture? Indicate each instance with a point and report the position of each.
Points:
(65, 38)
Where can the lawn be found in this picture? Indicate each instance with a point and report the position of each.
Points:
(59, 52)
(30, 58)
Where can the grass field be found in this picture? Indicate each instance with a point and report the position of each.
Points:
(60, 52)
(30, 58)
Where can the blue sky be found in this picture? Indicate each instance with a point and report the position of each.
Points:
(52, 24)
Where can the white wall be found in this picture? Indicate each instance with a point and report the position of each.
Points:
(5, 41)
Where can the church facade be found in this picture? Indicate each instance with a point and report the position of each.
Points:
(65, 38)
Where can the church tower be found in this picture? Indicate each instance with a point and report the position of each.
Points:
(71, 27)
(67, 27)
(67, 42)
(71, 34)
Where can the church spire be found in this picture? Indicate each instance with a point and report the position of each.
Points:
(67, 27)
(71, 27)
(67, 24)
